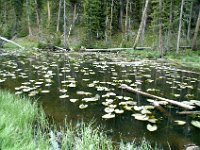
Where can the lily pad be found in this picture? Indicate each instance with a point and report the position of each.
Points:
(91, 99)
(83, 106)
(119, 111)
(45, 91)
(195, 123)
(73, 100)
(152, 127)
(83, 93)
(108, 116)
(64, 96)
(140, 117)
(180, 122)
(109, 110)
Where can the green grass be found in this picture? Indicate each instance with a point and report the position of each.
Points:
(186, 58)
(16, 124)
(26, 42)
(22, 125)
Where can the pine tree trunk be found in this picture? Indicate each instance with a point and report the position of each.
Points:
(160, 28)
(189, 23)
(141, 24)
(121, 16)
(38, 21)
(74, 14)
(106, 30)
(143, 29)
(126, 21)
(65, 28)
(180, 26)
(49, 12)
(170, 24)
(111, 17)
(28, 18)
(196, 33)
(59, 14)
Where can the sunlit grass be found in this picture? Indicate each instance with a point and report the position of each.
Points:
(16, 124)
(25, 42)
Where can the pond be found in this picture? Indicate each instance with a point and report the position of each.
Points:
(85, 87)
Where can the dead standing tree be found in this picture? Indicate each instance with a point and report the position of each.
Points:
(196, 33)
(180, 27)
(141, 23)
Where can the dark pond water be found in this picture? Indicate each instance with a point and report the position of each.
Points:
(86, 88)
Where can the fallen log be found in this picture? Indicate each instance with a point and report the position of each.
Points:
(60, 48)
(115, 49)
(12, 42)
(185, 47)
(189, 113)
(130, 89)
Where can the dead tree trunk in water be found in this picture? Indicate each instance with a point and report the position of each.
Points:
(196, 33)
(141, 24)
(130, 89)
(180, 26)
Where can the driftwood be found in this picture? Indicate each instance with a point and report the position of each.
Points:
(189, 113)
(185, 47)
(130, 89)
(9, 41)
(115, 49)
(60, 48)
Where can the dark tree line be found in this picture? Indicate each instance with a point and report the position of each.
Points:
(173, 23)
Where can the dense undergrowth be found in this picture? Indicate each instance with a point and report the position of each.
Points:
(185, 57)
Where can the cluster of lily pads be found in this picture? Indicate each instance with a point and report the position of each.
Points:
(101, 81)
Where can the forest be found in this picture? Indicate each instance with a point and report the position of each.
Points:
(160, 24)
(100, 74)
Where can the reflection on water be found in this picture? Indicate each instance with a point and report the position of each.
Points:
(65, 83)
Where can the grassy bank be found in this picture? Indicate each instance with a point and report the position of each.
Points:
(16, 124)
(20, 128)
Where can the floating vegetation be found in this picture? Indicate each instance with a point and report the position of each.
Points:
(73, 100)
(180, 122)
(140, 117)
(195, 123)
(83, 106)
(119, 111)
(152, 127)
(91, 99)
(59, 78)
(64, 96)
(45, 91)
(2, 80)
(83, 93)
(72, 85)
(108, 116)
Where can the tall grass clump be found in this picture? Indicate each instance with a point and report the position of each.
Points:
(17, 118)
(85, 137)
